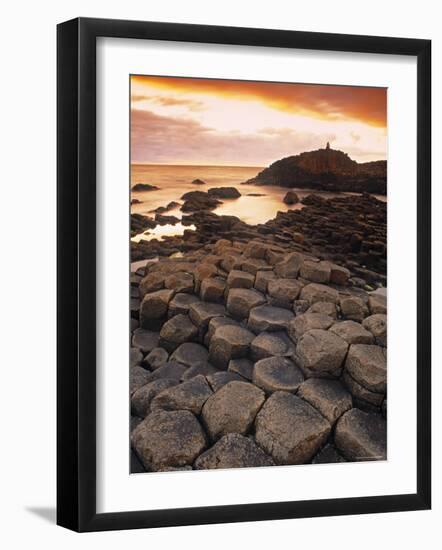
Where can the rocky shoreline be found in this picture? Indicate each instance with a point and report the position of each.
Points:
(261, 345)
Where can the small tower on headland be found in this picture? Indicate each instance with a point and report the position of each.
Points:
(328, 145)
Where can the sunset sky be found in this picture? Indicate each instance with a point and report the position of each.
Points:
(239, 123)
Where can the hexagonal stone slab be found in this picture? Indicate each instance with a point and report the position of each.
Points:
(145, 340)
(339, 275)
(377, 325)
(201, 367)
(189, 354)
(240, 279)
(290, 429)
(171, 369)
(377, 303)
(168, 439)
(220, 379)
(135, 357)
(137, 378)
(315, 292)
(232, 409)
(201, 312)
(241, 300)
(156, 358)
(329, 397)
(308, 321)
(269, 318)
(284, 291)
(320, 352)
(360, 393)
(269, 344)
(317, 272)
(180, 282)
(212, 290)
(353, 308)
(361, 436)
(290, 266)
(243, 367)
(176, 331)
(328, 455)
(187, 396)
(368, 366)
(153, 308)
(233, 451)
(352, 332)
(229, 342)
(181, 303)
(142, 398)
(277, 374)
(326, 308)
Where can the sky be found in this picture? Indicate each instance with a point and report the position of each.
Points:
(246, 123)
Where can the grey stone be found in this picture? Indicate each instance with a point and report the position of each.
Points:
(153, 309)
(361, 436)
(368, 366)
(315, 292)
(317, 272)
(339, 275)
(156, 358)
(181, 303)
(146, 340)
(253, 265)
(201, 367)
(377, 325)
(137, 378)
(135, 357)
(176, 331)
(233, 451)
(240, 279)
(301, 306)
(151, 283)
(326, 308)
(290, 429)
(268, 344)
(277, 374)
(214, 324)
(243, 367)
(232, 409)
(329, 397)
(220, 379)
(171, 369)
(180, 282)
(201, 312)
(190, 354)
(241, 300)
(352, 332)
(377, 303)
(212, 290)
(321, 352)
(189, 396)
(269, 318)
(255, 249)
(262, 280)
(360, 393)
(308, 321)
(290, 266)
(354, 308)
(284, 291)
(142, 398)
(229, 342)
(328, 455)
(168, 439)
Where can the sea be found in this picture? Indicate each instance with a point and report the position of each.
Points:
(173, 181)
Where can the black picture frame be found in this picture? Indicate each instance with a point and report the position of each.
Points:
(76, 273)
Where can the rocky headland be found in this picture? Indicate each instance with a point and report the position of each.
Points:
(325, 170)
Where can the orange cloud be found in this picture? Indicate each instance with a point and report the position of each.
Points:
(366, 105)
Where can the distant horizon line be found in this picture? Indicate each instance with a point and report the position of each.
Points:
(195, 164)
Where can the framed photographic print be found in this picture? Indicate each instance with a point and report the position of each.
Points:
(237, 210)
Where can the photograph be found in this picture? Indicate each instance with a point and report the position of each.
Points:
(258, 287)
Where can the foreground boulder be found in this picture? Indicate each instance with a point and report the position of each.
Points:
(269, 318)
(368, 366)
(176, 331)
(290, 198)
(317, 272)
(315, 292)
(308, 321)
(277, 374)
(224, 192)
(232, 409)
(241, 300)
(229, 342)
(188, 396)
(320, 352)
(145, 340)
(352, 332)
(361, 436)
(377, 325)
(233, 451)
(268, 344)
(168, 439)
(329, 397)
(143, 397)
(153, 309)
(290, 429)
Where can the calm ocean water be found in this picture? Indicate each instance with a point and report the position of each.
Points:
(174, 181)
